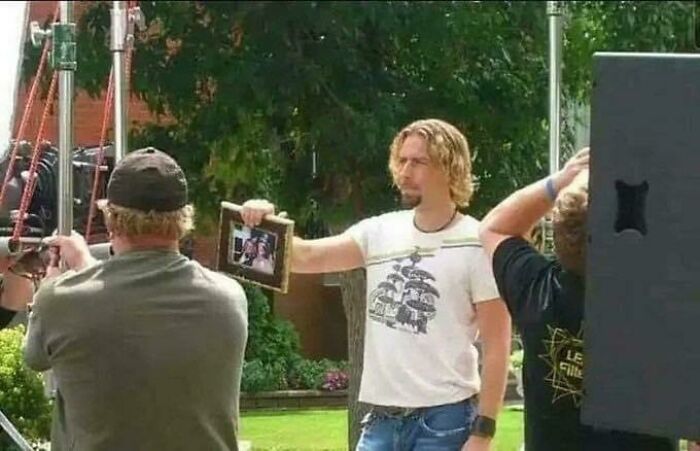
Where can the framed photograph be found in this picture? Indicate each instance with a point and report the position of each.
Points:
(257, 255)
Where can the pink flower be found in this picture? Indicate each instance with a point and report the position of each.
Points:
(335, 380)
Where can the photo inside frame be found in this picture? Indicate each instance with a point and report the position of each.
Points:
(258, 255)
(252, 248)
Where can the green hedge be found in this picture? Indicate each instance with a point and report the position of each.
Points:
(22, 397)
(273, 359)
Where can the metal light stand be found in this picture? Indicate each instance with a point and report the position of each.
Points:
(122, 35)
(118, 47)
(63, 60)
(554, 15)
(14, 434)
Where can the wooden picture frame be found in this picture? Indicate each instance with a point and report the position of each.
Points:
(258, 255)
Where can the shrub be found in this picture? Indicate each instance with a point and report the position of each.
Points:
(313, 374)
(22, 397)
(270, 339)
(259, 376)
(304, 374)
(272, 358)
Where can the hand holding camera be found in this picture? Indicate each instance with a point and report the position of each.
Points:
(71, 251)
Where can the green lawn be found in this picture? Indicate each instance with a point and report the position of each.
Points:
(302, 430)
(509, 434)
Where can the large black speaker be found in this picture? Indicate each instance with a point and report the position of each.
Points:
(642, 320)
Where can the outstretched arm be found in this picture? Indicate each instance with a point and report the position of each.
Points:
(332, 254)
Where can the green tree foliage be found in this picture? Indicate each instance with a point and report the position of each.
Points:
(256, 88)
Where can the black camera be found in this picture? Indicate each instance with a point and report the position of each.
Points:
(42, 214)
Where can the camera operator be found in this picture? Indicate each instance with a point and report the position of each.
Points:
(147, 346)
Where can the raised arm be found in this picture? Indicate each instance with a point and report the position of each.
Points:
(520, 211)
(332, 254)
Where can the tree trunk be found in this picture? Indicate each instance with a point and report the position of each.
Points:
(352, 286)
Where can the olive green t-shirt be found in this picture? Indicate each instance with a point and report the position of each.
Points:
(146, 350)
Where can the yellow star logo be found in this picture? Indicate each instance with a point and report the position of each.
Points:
(563, 355)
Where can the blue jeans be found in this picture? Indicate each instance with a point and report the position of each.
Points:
(438, 428)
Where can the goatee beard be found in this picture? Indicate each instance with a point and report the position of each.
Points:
(408, 201)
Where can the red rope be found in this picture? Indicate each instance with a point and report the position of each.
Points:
(27, 111)
(100, 155)
(105, 120)
(129, 52)
(31, 183)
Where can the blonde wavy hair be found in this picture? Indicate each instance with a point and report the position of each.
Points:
(569, 224)
(447, 148)
(130, 222)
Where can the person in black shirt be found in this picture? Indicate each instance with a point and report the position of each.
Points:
(15, 293)
(545, 298)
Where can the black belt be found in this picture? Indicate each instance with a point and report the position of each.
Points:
(396, 412)
(402, 412)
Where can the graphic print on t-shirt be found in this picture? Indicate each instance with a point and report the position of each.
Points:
(564, 356)
(406, 299)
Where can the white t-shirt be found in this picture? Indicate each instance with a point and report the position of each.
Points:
(421, 328)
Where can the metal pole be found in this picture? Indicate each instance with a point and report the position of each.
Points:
(14, 434)
(117, 46)
(554, 12)
(64, 57)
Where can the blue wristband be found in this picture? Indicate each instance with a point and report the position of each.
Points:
(551, 192)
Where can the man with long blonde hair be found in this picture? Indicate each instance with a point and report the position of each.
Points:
(430, 294)
(147, 346)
